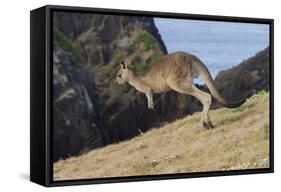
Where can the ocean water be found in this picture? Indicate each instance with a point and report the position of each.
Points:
(220, 45)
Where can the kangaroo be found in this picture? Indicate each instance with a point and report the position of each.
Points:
(175, 71)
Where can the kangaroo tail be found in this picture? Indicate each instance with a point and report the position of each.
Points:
(205, 74)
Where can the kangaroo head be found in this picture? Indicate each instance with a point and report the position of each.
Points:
(123, 73)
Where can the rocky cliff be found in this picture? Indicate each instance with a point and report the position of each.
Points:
(76, 126)
(89, 110)
(103, 39)
(245, 79)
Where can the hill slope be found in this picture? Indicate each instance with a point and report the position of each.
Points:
(239, 141)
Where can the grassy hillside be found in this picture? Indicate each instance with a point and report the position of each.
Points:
(239, 141)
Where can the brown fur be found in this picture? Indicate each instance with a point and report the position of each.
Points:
(174, 71)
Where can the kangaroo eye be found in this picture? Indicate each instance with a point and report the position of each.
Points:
(119, 75)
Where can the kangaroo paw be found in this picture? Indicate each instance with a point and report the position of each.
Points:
(211, 125)
(205, 125)
(208, 125)
(151, 107)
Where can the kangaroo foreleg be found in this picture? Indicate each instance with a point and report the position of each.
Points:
(149, 96)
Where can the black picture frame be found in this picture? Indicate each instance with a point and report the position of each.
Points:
(41, 91)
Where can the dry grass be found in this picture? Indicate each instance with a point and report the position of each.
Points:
(239, 141)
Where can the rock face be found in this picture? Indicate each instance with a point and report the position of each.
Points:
(75, 127)
(89, 110)
(104, 38)
(245, 79)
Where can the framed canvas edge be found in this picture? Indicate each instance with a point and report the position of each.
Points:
(49, 166)
(159, 177)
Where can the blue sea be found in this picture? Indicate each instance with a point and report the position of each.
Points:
(220, 45)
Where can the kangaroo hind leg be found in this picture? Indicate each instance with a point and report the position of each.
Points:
(206, 100)
(203, 97)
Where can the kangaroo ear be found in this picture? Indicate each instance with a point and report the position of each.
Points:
(127, 63)
(122, 64)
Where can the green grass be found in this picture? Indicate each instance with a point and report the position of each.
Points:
(118, 56)
(110, 70)
(147, 39)
(154, 58)
(261, 94)
(149, 42)
(243, 107)
(143, 67)
(140, 67)
(67, 45)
